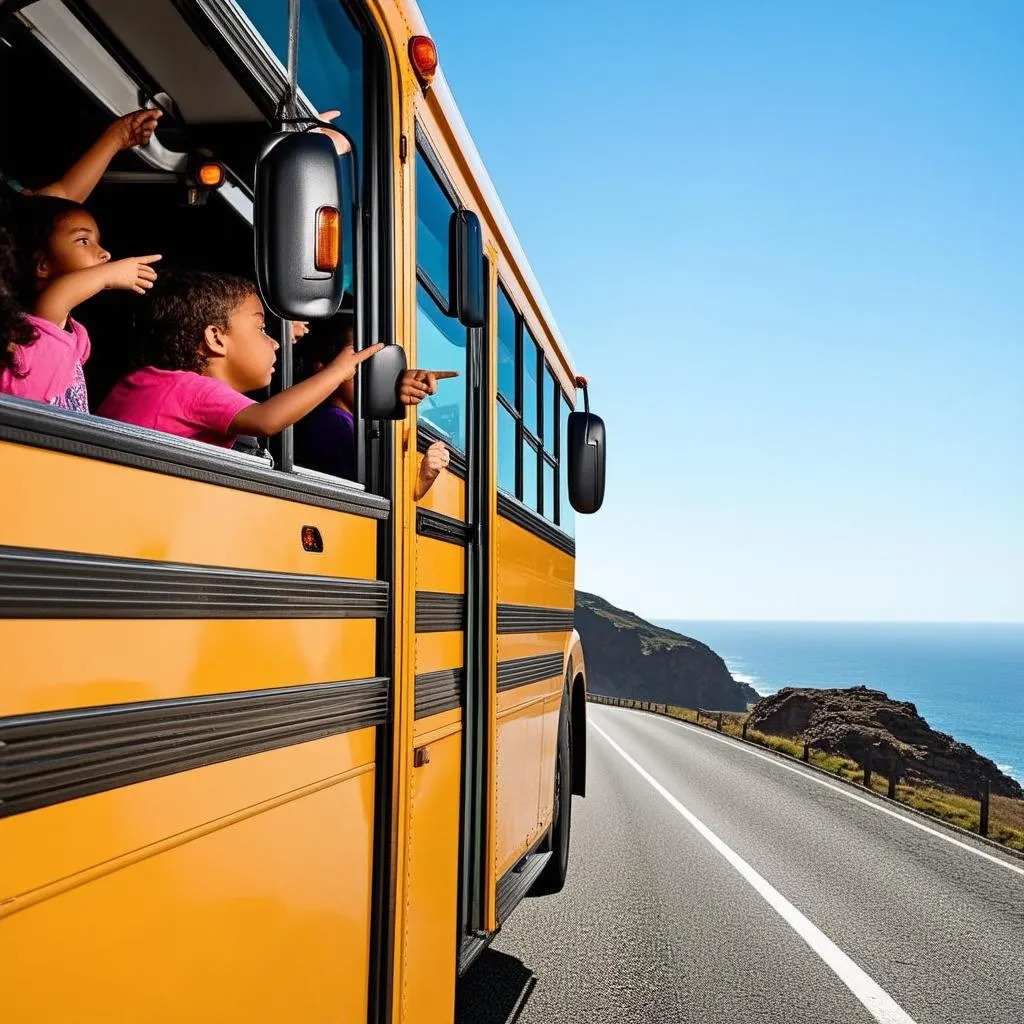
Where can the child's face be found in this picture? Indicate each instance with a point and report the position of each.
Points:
(74, 245)
(250, 352)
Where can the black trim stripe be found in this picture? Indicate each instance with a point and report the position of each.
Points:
(439, 613)
(41, 426)
(49, 758)
(523, 671)
(38, 584)
(426, 436)
(524, 618)
(439, 691)
(516, 512)
(441, 527)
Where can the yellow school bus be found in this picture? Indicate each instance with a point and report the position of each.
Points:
(275, 745)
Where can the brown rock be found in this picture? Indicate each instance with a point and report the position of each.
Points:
(850, 721)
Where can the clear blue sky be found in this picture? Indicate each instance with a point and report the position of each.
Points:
(786, 243)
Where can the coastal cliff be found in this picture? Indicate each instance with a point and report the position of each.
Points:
(849, 721)
(629, 657)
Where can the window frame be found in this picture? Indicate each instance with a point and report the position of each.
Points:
(526, 438)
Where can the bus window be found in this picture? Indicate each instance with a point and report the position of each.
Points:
(441, 341)
(531, 359)
(531, 469)
(506, 449)
(433, 213)
(440, 338)
(506, 349)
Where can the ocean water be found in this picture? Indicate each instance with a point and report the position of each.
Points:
(966, 679)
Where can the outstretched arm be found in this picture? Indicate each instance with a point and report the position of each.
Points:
(271, 417)
(125, 133)
(56, 302)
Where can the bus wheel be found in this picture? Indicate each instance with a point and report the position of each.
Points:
(552, 879)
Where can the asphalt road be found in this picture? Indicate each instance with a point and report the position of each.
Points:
(750, 889)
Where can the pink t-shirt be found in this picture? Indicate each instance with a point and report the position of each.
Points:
(50, 368)
(177, 402)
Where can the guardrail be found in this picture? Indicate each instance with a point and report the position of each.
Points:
(893, 768)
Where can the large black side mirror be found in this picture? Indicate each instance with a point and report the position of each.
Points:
(299, 225)
(466, 276)
(586, 457)
(381, 375)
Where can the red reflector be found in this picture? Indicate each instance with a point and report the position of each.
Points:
(328, 239)
(211, 175)
(423, 54)
(311, 540)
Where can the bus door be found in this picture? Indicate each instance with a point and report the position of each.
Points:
(444, 860)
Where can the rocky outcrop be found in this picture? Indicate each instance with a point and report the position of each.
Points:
(629, 657)
(850, 721)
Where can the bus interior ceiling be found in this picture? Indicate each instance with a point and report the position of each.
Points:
(47, 120)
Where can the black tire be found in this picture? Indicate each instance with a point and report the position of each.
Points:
(552, 878)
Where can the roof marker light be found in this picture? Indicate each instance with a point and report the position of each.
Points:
(423, 55)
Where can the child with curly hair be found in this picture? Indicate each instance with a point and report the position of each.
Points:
(205, 345)
(61, 264)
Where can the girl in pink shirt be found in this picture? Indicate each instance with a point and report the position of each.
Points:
(61, 265)
(206, 345)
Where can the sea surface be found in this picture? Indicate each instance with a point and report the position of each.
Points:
(966, 679)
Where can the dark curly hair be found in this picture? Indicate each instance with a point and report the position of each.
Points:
(182, 304)
(15, 330)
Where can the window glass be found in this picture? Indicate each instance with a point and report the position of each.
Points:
(550, 411)
(433, 214)
(530, 469)
(506, 348)
(506, 450)
(566, 513)
(530, 412)
(441, 345)
(331, 74)
(549, 490)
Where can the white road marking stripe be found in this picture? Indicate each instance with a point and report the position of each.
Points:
(868, 992)
(843, 791)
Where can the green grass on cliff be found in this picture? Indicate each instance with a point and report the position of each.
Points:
(1006, 816)
(652, 638)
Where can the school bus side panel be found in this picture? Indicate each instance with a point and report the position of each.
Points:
(190, 842)
(534, 597)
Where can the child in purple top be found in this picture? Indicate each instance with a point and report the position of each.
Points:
(325, 440)
(61, 264)
(205, 345)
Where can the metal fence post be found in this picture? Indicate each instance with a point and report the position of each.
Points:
(986, 793)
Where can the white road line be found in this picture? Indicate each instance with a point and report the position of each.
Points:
(868, 992)
(843, 791)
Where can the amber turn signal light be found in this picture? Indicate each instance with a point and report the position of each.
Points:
(210, 175)
(423, 54)
(328, 239)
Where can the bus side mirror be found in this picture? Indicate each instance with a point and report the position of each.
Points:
(587, 456)
(381, 375)
(466, 277)
(299, 226)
